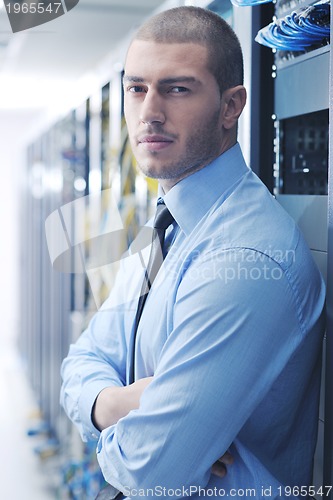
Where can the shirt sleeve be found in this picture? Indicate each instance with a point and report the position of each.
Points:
(235, 327)
(98, 359)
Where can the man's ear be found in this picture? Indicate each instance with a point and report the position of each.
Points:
(233, 102)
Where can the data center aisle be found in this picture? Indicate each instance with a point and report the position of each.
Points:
(23, 475)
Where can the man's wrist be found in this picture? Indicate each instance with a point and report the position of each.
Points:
(104, 409)
(113, 403)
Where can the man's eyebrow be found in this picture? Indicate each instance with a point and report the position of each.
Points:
(178, 79)
(163, 81)
(127, 78)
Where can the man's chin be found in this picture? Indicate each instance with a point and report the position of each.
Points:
(153, 172)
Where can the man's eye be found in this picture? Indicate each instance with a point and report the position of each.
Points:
(179, 90)
(136, 89)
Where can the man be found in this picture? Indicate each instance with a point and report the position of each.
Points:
(227, 348)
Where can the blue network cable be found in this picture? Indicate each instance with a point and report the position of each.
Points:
(316, 19)
(298, 31)
(246, 3)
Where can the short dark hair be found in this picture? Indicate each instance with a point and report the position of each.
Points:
(198, 25)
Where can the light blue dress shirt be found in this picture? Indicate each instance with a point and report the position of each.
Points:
(232, 332)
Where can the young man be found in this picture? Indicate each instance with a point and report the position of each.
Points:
(226, 353)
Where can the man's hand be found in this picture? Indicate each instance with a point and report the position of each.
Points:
(219, 468)
(113, 403)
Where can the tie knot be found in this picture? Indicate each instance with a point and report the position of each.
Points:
(163, 217)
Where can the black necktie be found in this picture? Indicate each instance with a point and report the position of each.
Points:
(163, 219)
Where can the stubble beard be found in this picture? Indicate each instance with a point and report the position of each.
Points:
(202, 147)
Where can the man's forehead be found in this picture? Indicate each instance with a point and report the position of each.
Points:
(149, 47)
(173, 58)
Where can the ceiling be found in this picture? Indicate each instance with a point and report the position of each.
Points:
(54, 54)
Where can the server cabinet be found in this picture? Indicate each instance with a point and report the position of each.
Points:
(301, 109)
(328, 449)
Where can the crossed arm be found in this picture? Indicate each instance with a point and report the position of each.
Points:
(197, 382)
(113, 403)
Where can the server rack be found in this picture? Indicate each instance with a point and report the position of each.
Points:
(328, 435)
(48, 297)
(301, 111)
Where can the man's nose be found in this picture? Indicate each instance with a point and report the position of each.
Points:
(152, 108)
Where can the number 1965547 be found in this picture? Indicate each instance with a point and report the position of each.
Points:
(33, 8)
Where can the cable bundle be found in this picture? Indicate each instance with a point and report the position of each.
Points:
(247, 3)
(298, 31)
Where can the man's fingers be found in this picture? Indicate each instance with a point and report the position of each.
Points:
(219, 469)
(226, 459)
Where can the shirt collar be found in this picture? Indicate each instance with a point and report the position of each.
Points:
(191, 198)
